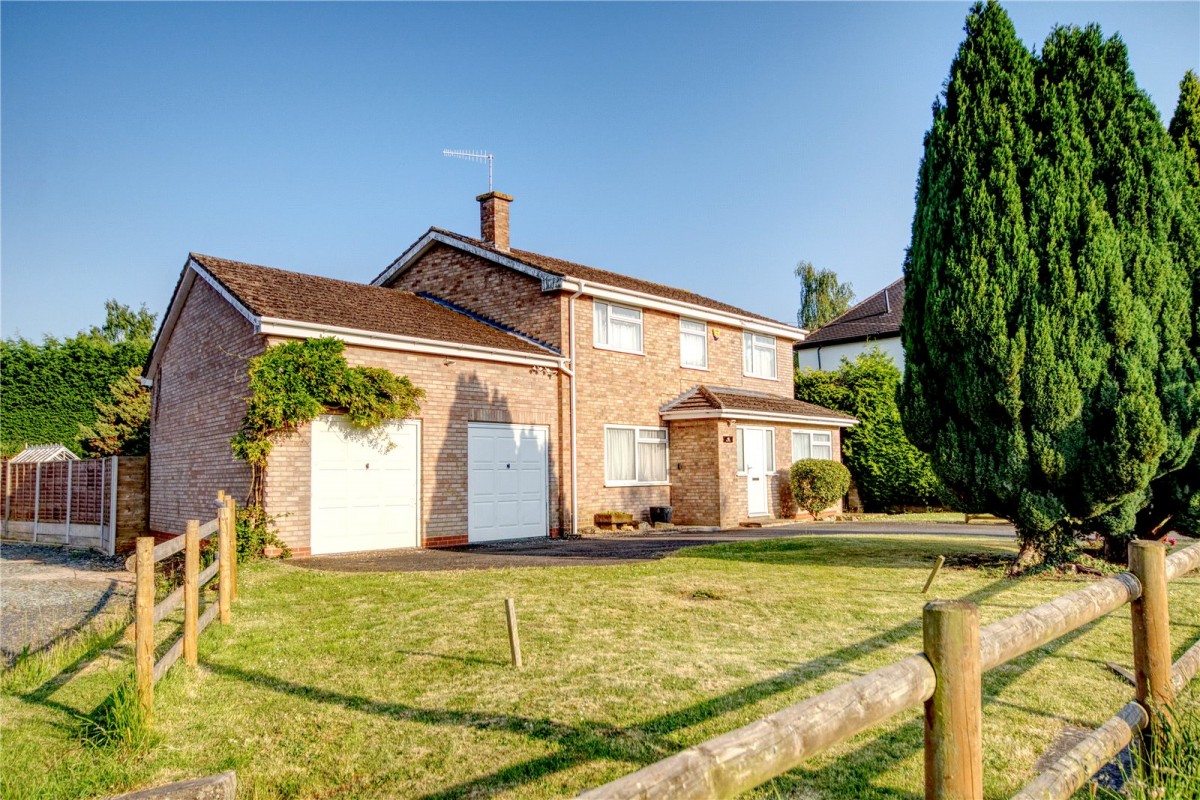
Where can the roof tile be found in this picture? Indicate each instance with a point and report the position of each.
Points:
(297, 297)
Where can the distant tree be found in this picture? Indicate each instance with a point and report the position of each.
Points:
(122, 426)
(823, 297)
(1047, 323)
(887, 468)
(50, 389)
(123, 324)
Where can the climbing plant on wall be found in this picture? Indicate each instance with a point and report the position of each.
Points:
(294, 382)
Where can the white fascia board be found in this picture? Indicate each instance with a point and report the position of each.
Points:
(727, 413)
(271, 326)
(643, 300)
(433, 237)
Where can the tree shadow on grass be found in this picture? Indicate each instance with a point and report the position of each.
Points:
(848, 552)
(587, 741)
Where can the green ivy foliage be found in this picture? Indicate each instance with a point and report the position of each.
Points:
(887, 468)
(1051, 370)
(818, 483)
(294, 382)
(51, 389)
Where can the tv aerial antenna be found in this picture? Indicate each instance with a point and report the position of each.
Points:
(474, 155)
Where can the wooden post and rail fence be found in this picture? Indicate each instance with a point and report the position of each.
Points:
(947, 679)
(147, 613)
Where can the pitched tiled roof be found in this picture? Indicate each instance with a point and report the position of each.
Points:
(876, 317)
(569, 269)
(297, 297)
(722, 398)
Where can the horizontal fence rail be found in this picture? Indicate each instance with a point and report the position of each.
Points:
(149, 672)
(740, 760)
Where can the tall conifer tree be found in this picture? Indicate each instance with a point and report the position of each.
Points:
(1048, 322)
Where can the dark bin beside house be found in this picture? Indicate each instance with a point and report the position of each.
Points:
(660, 514)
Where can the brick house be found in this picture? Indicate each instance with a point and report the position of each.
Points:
(673, 399)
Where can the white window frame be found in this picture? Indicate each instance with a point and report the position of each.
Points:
(596, 327)
(637, 429)
(703, 339)
(748, 366)
(741, 447)
(811, 444)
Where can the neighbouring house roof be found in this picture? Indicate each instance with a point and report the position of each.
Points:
(547, 267)
(43, 453)
(286, 303)
(703, 402)
(877, 317)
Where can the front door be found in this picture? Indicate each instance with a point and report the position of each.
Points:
(758, 449)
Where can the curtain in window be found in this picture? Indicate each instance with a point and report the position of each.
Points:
(692, 344)
(601, 323)
(619, 460)
(748, 353)
(625, 328)
(764, 359)
(801, 445)
(652, 456)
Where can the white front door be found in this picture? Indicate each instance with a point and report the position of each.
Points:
(507, 481)
(364, 486)
(758, 450)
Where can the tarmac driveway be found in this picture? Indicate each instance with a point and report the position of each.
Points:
(46, 592)
(615, 548)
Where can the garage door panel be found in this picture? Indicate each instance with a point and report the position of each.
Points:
(507, 481)
(364, 493)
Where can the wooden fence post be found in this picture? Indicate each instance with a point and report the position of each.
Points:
(514, 640)
(954, 715)
(144, 622)
(191, 593)
(1151, 629)
(224, 539)
(37, 499)
(233, 547)
(936, 568)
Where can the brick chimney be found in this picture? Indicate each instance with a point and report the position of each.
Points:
(493, 218)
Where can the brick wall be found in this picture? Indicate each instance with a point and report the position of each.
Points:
(695, 485)
(486, 288)
(627, 389)
(198, 402)
(457, 392)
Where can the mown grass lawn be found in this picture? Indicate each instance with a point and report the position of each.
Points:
(398, 685)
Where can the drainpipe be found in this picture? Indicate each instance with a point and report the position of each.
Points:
(574, 427)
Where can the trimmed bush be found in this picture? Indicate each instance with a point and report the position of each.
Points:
(817, 484)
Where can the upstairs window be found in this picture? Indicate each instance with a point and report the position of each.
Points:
(693, 344)
(635, 456)
(758, 355)
(618, 327)
(812, 444)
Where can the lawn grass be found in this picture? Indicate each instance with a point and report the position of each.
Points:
(398, 685)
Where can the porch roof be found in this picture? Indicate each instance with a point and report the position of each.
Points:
(718, 402)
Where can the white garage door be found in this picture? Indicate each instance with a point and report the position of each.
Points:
(364, 494)
(507, 481)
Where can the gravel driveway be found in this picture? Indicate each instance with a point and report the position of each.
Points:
(614, 548)
(46, 592)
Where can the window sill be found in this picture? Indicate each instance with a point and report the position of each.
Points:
(698, 369)
(760, 377)
(625, 484)
(618, 350)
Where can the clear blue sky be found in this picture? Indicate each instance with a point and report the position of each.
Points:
(708, 146)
